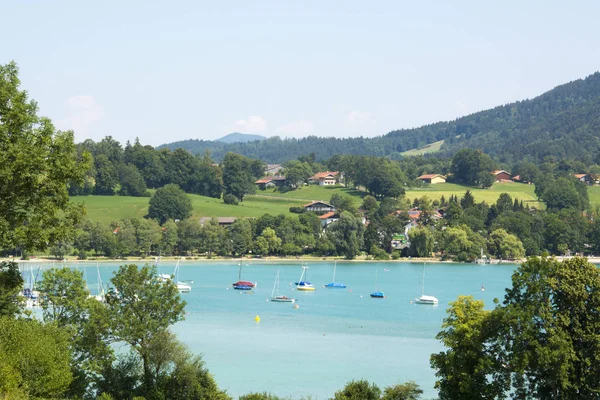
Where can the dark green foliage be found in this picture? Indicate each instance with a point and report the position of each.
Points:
(297, 210)
(259, 396)
(402, 391)
(169, 202)
(229, 198)
(472, 167)
(239, 174)
(132, 182)
(11, 283)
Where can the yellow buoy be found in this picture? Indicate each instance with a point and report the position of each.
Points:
(257, 318)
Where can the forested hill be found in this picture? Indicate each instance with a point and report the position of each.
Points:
(563, 122)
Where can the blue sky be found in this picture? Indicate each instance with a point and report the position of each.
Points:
(167, 71)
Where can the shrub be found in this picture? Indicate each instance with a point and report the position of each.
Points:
(230, 199)
(297, 210)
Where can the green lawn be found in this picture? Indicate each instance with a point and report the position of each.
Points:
(106, 209)
(312, 192)
(594, 194)
(428, 148)
(520, 191)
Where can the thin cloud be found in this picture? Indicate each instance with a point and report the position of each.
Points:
(296, 128)
(254, 124)
(83, 112)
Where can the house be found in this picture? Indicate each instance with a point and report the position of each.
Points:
(223, 221)
(501, 175)
(326, 178)
(273, 169)
(414, 214)
(270, 181)
(328, 218)
(585, 178)
(400, 241)
(432, 178)
(319, 207)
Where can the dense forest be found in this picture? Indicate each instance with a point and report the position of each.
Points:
(561, 123)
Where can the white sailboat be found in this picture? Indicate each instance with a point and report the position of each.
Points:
(101, 296)
(304, 284)
(424, 299)
(275, 296)
(181, 286)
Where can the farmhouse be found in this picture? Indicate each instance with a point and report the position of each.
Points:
(326, 178)
(319, 206)
(432, 178)
(270, 181)
(585, 178)
(501, 175)
(273, 169)
(328, 218)
(223, 221)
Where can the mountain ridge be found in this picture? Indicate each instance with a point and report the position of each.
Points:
(563, 122)
(236, 137)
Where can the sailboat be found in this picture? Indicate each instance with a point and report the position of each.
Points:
(240, 284)
(181, 286)
(275, 296)
(101, 295)
(424, 299)
(303, 284)
(377, 294)
(334, 284)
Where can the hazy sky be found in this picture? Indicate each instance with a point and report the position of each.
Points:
(174, 70)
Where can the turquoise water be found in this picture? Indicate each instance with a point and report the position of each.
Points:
(334, 336)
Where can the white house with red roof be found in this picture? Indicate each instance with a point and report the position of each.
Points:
(432, 178)
(326, 178)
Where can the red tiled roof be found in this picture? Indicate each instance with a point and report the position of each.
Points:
(579, 176)
(322, 175)
(268, 179)
(327, 215)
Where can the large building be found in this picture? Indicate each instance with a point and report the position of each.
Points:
(326, 178)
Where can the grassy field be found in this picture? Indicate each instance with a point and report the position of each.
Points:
(106, 209)
(109, 208)
(594, 194)
(428, 148)
(515, 190)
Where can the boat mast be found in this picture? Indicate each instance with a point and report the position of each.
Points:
(334, 265)
(423, 281)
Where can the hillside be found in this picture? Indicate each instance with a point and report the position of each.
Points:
(563, 122)
(236, 137)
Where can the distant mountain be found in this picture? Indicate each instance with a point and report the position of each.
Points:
(561, 123)
(236, 137)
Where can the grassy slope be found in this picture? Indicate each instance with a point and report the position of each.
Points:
(428, 148)
(108, 208)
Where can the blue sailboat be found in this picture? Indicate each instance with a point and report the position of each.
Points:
(334, 284)
(377, 294)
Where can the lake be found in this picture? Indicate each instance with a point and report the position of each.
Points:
(334, 336)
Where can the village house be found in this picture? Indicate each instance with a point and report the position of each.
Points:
(586, 178)
(501, 175)
(270, 181)
(328, 218)
(273, 169)
(326, 178)
(432, 178)
(319, 207)
(223, 221)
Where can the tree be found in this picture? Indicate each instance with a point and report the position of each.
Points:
(66, 293)
(347, 235)
(565, 193)
(464, 368)
(472, 167)
(35, 359)
(36, 165)
(169, 202)
(358, 390)
(239, 174)
(11, 283)
(141, 308)
(422, 241)
(107, 176)
(269, 238)
(210, 237)
(343, 202)
(403, 391)
(506, 246)
(132, 182)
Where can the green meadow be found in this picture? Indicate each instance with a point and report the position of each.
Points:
(106, 209)
(428, 148)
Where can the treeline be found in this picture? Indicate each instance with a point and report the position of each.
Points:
(562, 123)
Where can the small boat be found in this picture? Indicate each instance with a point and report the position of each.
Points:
(303, 284)
(424, 299)
(181, 286)
(334, 284)
(377, 294)
(240, 284)
(279, 298)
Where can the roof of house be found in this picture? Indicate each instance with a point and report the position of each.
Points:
(221, 220)
(579, 176)
(327, 215)
(431, 176)
(516, 178)
(268, 179)
(312, 203)
(499, 171)
(323, 175)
